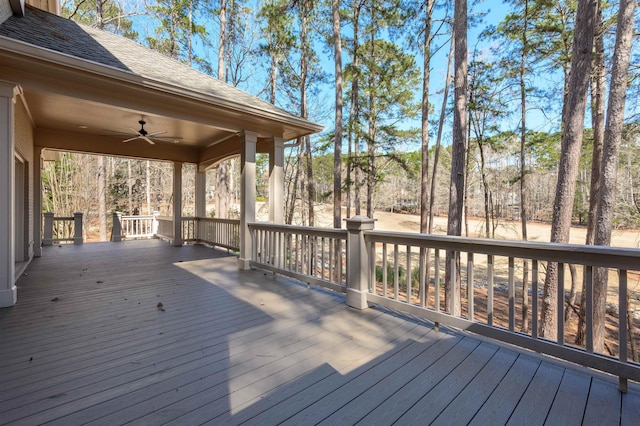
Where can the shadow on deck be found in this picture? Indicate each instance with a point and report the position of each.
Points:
(144, 332)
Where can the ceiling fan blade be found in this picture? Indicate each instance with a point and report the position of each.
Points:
(131, 139)
(148, 140)
(155, 134)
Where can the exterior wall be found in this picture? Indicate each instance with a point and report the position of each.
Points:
(24, 148)
(5, 10)
(51, 6)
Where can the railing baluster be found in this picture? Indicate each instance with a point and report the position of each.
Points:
(436, 285)
(322, 256)
(534, 299)
(490, 289)
(372, 268)
(384, 269)
(622, 324)
(408, 277)
(453, 297)
(422, 274)
(512, 295)
(396, 273)
(470, 300)
(560, 305)
(589, 309)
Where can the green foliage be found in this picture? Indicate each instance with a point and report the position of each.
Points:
(174, 36)
(114, 18)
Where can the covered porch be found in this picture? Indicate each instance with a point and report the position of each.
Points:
(142, 331)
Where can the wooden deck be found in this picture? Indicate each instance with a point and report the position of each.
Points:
(143, 332)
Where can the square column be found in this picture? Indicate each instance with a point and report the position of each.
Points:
(177, 203)
(201, 194)
(8, 291)
(37, 201)
(276, 181)
(248, 196)
(201, 203)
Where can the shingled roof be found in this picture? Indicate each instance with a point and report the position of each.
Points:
(48, 31)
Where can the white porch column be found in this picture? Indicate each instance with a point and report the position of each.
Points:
(276, 181)
(201, 203)
(8, 291)
(177, 203)
(201, 194)
(248, 196)
(37, 201)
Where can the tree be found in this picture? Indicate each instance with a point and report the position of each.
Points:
(598, 82)
(456, 188)
(337, 153)
(108, 15)
(426, 64)
(485, 109)
(574, 111)
(610, 155)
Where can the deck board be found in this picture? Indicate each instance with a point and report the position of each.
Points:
(87, 344)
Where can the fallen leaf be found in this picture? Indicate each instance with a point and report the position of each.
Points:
(55, 299)
(30, 359)
(160, 306)
(99, 282)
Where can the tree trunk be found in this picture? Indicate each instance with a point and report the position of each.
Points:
(355, 105)
(337, 146)
(222, 44)
(485, 190)
(102, 194)
(436, 155)
(523, 167)
(424, 180)
(569, 155)
(611, 151)
(598, 88)
(456, 189)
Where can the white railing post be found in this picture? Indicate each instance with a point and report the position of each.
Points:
(47, 240)
(116, 230)
(77, 228)
(358, 261)
(154, 224)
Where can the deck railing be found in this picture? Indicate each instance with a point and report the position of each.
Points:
(313, 255)
(407, 271)
(58, 229)
(141, 226)
(165, 227)
(219, 232)
(223, 233)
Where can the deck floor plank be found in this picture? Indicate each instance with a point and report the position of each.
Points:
(603, 404)
(498, 408)
(87, 344)
(537, 399)
(356, 408)
(462, 409)
(396, 405)
(571, 400)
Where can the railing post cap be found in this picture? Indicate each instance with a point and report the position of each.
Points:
(360, 223)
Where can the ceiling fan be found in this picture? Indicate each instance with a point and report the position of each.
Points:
(143, 134)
